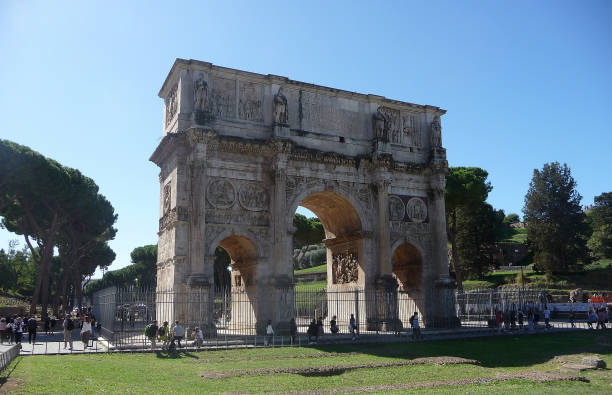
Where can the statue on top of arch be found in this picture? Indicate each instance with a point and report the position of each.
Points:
(280, 108)
(436, 133)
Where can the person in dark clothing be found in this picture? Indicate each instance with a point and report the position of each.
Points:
(312, 332)
(32, 330)
(47, 324)
(292, 330)
(320, 330)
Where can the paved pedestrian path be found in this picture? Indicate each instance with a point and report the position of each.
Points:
(53, 343)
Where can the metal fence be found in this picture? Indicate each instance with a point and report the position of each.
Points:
(229, 317)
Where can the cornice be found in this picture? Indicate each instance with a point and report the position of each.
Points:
(192, 64)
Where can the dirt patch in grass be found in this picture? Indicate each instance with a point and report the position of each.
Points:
(322, 355)
(9, 385)
(337, 369)
(535, 376)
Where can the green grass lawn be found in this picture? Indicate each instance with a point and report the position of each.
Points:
(311, 286)
(314, 269)
(181, 372)
(595, 277)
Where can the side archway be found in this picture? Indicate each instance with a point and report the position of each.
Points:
(407, 262)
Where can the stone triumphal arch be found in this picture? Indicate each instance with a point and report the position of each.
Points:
(240, 151)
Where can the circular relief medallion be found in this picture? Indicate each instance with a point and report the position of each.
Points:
(221, 193)
(396, 208)
(416, 210)
(253, 197)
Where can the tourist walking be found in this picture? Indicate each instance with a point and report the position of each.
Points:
(163, 334)
(520, 319)
(47, 324)
(572, 318)
(269, 333)
(353, 327)
(333, 326)
(85, 332)
(18, 329)
(68, 326)
(416, 328)
(292, 330)
(601, 318)
(4, 328)
(312, 332)
(177, 334)
(546, 317)
(151, 333)
(498, 320)
(320, 330)
(592, 318)
(32, 328)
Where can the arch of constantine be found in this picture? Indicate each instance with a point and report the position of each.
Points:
(241, 151)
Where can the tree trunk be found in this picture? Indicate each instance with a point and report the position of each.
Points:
(452, 234)
(61, 293)
(77, 289)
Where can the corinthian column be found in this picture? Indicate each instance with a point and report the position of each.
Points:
(384, 253)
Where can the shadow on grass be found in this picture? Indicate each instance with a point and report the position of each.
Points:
(175, 354)
(492, 352)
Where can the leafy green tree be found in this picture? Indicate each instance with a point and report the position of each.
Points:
(142, 272)
(52, 206)
(33, 191)
(512, 218)
(476, 236)
(556, 228)
(308, 230)
(600, 218)
(466, 189)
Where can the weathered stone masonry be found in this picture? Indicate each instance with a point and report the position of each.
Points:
(241, 151)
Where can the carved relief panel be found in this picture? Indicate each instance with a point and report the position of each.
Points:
(407, 208)
(345, 267)
(221, 193)
(253, 197)
(171, 105)
(250, 102)
(167, 198)
(223, 98)
(397, 127)
(237, 202)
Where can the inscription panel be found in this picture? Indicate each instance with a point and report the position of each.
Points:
(325, 113)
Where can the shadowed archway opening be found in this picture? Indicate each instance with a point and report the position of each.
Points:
(235, 308)
(408, 271)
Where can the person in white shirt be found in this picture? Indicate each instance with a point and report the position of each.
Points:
(547, 317)
(269, 332)
(198, 337)
(86, 332)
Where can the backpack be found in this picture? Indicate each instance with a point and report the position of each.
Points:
(70, 325)
(148, 331)
(161, 331)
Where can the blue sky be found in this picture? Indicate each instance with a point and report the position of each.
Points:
(524, 82)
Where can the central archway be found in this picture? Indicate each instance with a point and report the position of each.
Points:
(346, 263)
(343, 238)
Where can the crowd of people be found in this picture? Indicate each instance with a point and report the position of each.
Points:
(13, 329)
(517, 319)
